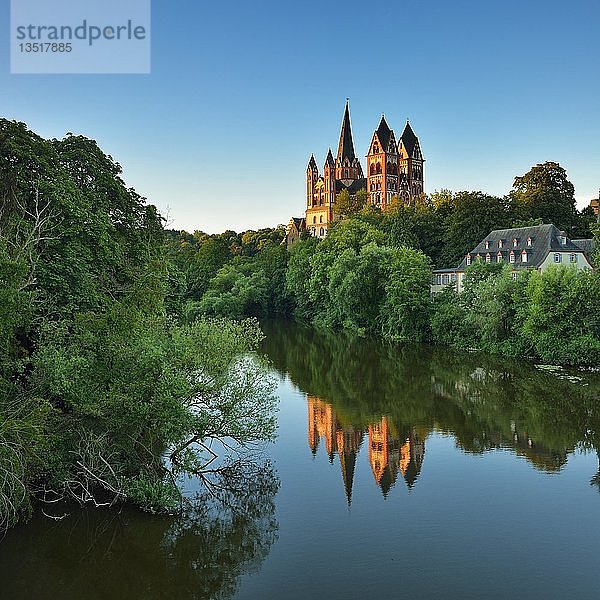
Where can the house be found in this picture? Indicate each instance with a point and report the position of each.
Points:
(293, 230)
(536, 247)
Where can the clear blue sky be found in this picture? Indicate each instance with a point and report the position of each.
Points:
(242, 93)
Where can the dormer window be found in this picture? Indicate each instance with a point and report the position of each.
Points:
(529, 242)
(511, 257)
(515, 242)
(468, 259)
(524, 256)
(487, 244)
(499, 243)
(562, 238)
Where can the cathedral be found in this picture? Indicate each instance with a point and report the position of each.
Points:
(394, 169)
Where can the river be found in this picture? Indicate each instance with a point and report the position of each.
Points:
(398, 471)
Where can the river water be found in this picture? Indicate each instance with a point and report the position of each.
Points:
(399, 471)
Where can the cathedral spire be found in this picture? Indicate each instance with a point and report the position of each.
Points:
(346, 145)
(329, 160)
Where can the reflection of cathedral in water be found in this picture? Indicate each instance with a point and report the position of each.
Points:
(389, 451)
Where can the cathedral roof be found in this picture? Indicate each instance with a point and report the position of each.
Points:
(409, 139)
(312, 163)
(355, 186)
(383, 133)
(346, 145)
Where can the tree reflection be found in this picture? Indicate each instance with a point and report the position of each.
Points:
(200, 554)
(483, 402)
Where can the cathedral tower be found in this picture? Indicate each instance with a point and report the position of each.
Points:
(383, 167)
(347, 166)
(411, 161)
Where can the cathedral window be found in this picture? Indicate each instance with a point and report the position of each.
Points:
(321, 219)
(314, 219)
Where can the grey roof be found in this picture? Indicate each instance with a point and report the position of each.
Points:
(588, 246)
(346, 145)
(298, 222)
(544, 239)
(409, 139)
(355, 186)
(383, 133)
(329, 160)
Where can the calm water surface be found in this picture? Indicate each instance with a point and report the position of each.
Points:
(398, 472)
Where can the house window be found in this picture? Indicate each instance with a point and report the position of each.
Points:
(529, 242)
(488, 258)
(468, 259)
(557, 258)
(514, 275)
(499, 257)
(499, 243)
(524, 256)
(573, 258)
(511, 257)
(487, 244)
(515, 242)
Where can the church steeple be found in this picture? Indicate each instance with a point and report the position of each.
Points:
(411, 160)
(347, 166)
(346, 145)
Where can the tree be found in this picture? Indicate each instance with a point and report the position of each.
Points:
(473, 216)
(545, 193)
(347, 205)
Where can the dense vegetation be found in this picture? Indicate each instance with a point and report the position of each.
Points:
(107, 392)
(372, 274)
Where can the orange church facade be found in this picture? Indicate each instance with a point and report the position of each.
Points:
(394, 169)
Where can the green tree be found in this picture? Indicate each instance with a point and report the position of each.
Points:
(545, 193)
(347, 205)
(473, 216)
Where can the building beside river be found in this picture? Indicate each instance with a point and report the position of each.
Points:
(536, 247)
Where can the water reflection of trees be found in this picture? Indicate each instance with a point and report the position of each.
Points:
(104, 554)
(483, 402)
